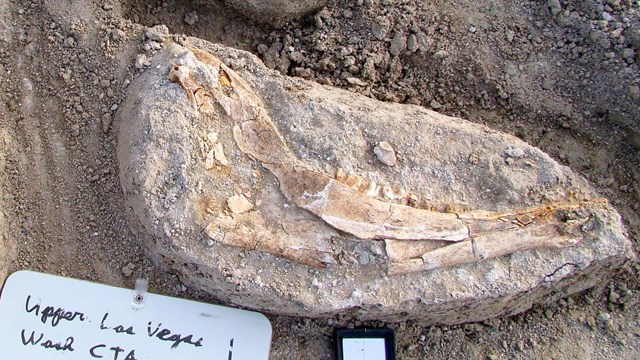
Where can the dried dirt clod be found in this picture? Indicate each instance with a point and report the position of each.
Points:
(157, 33)
(239, 204)
(385, 153)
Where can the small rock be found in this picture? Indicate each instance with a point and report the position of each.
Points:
(191, 17)
(107, 7)
(385, 153)
(435, 104)
(70, 42)
(606, 16)
(629, 55)
(440, 54)
(262, 48)
(614, 297)
(473, 29)
(604, 316)
(514, 153)
(127, 271)
(356, 81)
(142, 62)
(296, 56)
(591, 322)
(510, 35)
(412, 43)
(157, 33)
(106, 122)
(104, 83)
(555, 7)
(239, 204)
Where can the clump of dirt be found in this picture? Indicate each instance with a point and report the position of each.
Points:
(561, 75)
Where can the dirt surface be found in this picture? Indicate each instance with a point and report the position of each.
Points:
(562, 77)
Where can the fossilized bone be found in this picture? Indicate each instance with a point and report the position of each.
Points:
(451, 238)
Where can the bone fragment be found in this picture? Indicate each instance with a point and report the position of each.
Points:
(219, 155)
(245, 231)
(556, 228)
(239, 204)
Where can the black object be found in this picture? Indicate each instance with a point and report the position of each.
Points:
(355, 335)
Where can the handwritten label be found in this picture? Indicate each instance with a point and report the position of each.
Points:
(50, 317)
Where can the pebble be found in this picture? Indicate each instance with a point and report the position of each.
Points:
(440, 54)
(104, 83)
(127, 271)
(191, 17)
(606, 16)
(105, 122)
(262, 48)
(412, 43)
(239, 204)
(435, 104)
(385, 153)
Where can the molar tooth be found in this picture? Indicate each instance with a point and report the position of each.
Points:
(388, 192)
(353, 181)
(372, 189)
(413, 200)
(341, 176)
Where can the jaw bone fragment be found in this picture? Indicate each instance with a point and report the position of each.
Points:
(475, 235)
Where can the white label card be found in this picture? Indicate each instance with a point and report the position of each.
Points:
(50, 317)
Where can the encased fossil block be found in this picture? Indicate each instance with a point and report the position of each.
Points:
(457, 234)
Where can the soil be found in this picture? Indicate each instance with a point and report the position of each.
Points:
(561, 75)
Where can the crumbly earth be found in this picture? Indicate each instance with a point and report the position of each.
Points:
(561, 75)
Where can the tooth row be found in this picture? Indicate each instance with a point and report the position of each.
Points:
(372, 189)
(399, 195)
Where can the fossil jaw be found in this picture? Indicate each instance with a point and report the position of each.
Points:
(416, 239)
